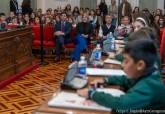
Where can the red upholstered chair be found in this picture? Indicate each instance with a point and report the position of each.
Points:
(162, 47)
(161, 33)
(36, 32)
(49, 36)
(48, 41)
(70, 46)
(11, 26)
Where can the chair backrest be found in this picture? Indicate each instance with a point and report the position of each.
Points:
(73, 32)
(162, 46)
(36, 31)
(49, 33)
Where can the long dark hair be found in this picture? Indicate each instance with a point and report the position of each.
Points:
(26, 3)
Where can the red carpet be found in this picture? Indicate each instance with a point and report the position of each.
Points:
(17, 76)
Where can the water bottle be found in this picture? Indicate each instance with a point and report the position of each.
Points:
(98, 53)
(82, 65)
(21, 23)
(110, 36)
(113, 45)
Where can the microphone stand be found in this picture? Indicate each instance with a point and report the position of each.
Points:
(42, 62)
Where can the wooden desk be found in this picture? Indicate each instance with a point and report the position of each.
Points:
(15, 51)
(45, 109)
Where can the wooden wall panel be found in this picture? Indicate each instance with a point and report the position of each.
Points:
(15, 51)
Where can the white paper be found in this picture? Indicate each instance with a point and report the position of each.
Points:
(104, 72)
(72, 100)
(111, 61)
(113, 92)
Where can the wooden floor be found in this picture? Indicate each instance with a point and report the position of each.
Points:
(28, 93)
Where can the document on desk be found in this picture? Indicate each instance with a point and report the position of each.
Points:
(72, 100)
(104, 72)
(111, 61)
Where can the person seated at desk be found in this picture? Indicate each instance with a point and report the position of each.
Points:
(62, 30)
(84, 32)
(106, 28)
(144, 85)
(139, 23)
(143, 33)
(125, 28)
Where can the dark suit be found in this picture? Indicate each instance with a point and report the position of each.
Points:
(13, 6)
(59, 40)
(26, 10)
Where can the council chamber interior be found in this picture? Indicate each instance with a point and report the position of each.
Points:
(82, 56)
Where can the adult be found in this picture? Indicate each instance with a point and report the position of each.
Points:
(26, 7)
(113, 9)
(84, 31)
(103, 9)
(62, 30)
(125, 9)
(14, 6)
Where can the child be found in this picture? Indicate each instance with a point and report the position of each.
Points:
(3, 23)
(144, 87)
(139, 23)
(125, 28)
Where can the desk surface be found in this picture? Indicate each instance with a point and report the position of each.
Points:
(45, 109)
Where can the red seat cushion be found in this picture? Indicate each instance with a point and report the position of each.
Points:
(50, 44)
(10, 26)
(38, 43)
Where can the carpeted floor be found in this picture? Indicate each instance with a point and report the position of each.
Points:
(29, 92)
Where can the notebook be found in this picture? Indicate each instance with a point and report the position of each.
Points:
(72, 100)
(104, 72)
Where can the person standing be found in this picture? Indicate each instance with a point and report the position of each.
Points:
(103, 9)
(125, 9)
(26, 7)
(113, 10)
(14, 6)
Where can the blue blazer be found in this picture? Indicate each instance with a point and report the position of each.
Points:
(67, 29)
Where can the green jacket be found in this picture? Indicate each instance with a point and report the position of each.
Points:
(146, 93)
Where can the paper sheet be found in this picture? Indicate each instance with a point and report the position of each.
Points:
(111, 61)
(72, 100)
(104, 72)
